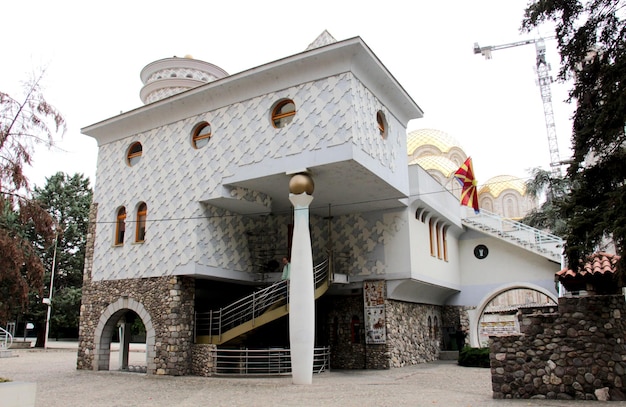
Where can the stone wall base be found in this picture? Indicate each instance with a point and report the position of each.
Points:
(203, 360)
(578, 352)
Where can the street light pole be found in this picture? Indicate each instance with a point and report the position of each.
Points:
(48, 301)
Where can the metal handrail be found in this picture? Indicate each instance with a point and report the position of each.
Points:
(522, 234)
(6, 339)
(248, 308)
(264, 362)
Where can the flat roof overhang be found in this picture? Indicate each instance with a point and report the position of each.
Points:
(340, 188)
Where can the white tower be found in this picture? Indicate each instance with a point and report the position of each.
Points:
(169, 76)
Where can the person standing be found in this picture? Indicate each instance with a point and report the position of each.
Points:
(286, 268)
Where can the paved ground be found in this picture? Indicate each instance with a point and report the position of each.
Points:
(435, 384)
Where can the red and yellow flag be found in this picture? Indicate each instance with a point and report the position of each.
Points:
(469, 191)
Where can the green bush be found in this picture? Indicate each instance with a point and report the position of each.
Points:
(4, 380)
(474, 357)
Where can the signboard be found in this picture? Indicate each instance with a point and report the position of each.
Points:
(374, 301)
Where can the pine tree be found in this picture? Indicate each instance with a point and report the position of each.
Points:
(591, 39)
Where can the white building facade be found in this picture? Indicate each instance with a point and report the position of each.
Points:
(191, 213)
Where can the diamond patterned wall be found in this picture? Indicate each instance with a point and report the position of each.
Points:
(185, 236)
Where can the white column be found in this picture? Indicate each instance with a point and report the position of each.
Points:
(301, 294)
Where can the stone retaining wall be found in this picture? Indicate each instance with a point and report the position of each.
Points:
(578, 352)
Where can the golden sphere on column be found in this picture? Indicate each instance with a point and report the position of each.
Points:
(300, 183)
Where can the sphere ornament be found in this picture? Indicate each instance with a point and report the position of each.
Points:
(300, 183)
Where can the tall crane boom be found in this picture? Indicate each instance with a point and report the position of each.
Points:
(544, 80)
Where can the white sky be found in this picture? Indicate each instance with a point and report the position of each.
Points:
(94, 52)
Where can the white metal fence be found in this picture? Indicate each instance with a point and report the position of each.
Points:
(264, 362)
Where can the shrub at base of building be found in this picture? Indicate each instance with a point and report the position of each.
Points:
(474, 357)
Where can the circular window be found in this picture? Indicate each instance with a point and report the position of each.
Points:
(283, 113)
(134, 153)
(201, 135)
(382, 123)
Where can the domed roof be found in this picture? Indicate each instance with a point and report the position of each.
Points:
(436, 162)
(500, 183)
(437, 138)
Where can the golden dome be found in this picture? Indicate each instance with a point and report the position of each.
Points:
(498, 184)
(436, 138)
(436, 162)
(300, 183)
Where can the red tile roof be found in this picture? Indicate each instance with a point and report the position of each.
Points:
(599, 264)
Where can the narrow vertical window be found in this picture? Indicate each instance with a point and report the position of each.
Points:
(444, 235)
(430, 327)
(438, 236)
(120, 226)
(382, 123)
(431, 226)
(142, 212)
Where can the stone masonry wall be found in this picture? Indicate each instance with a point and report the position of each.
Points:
(346, 351)
(578, 352)
(169, 301)
(409, 338)
(203, 359)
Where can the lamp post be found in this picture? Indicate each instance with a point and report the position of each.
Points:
(48, 301)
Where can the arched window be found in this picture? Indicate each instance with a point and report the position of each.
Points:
(201, 135)
(430, 327)
(355, 329)
(431, 232)
(134, 153)
(438, 237)
(283, 113)
(140, 230)
(436, 328)
(444, 235)
(120, 226)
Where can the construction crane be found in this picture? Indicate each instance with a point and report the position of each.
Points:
(544, 80)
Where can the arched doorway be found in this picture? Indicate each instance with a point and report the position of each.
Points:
(497, 314)
(122, 314)
(128, 346)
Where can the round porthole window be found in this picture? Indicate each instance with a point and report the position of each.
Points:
(283, 113)
(201, 135)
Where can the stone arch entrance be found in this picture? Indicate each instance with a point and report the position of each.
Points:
(107, 324)
(513, 296)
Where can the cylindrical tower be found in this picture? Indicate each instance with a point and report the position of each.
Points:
(169, 76)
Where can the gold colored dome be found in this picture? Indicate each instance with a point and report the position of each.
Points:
(436, 162)
(498, 184)
(300, 183)
(436, 138)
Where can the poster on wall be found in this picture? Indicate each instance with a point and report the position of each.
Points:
(374, 301)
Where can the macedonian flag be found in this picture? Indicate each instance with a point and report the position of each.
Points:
(469, 191)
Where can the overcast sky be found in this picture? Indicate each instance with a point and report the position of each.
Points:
(94, 52)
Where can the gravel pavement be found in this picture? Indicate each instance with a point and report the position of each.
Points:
(433, 384)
